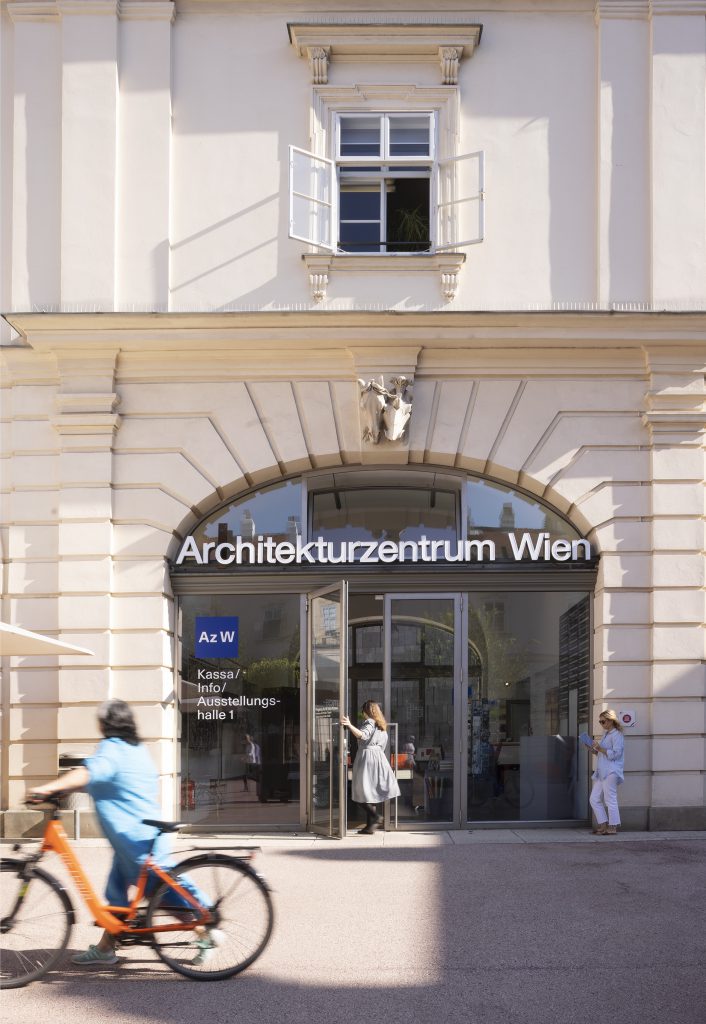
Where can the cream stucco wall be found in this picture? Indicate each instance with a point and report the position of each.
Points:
(144, 158)
(122, 431)
(145, 154)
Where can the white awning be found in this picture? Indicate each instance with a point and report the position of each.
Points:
(16, 641)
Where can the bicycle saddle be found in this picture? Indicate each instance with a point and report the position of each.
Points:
(163, 826)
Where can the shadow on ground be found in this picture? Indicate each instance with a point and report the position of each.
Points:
(488, 933)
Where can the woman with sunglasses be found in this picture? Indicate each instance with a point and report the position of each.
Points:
(373, 778)
(608, 774)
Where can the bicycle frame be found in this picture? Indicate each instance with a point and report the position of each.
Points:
(56, 839)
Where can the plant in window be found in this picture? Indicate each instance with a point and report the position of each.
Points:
(411, 226)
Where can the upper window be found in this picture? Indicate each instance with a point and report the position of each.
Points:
(387, 179)
(384, 172)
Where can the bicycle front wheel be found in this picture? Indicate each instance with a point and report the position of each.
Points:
(35, 921)
(241, 908)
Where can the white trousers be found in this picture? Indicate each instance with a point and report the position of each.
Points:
(605, 795)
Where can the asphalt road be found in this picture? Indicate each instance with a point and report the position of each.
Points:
(504, 928)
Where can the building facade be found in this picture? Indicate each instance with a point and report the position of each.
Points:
(357, 354)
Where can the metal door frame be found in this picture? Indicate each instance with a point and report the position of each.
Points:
(340, 588)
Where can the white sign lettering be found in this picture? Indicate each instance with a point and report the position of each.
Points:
(533, 547)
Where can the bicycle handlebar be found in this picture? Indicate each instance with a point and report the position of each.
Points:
(54, 799)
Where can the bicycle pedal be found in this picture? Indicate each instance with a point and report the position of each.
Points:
(133, 940)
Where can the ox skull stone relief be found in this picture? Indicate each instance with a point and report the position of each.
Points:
(385, 412)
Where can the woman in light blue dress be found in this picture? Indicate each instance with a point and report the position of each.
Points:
(373, 778)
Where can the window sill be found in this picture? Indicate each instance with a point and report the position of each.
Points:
(445, 264)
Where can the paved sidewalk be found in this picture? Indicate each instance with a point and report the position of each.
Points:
(488, 926)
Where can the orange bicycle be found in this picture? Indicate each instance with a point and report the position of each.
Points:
(208, 918)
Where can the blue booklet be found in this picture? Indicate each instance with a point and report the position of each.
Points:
(586, 739)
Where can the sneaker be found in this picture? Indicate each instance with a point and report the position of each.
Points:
(93, 955)
(206, 946)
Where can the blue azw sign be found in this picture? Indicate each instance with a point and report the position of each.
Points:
(216, 637)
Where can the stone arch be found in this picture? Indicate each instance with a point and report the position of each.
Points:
(559, 505)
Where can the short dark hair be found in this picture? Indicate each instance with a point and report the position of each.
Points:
(117, 720)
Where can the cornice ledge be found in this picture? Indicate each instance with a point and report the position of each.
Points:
(68, 8)
(147, 10)
(389, 92)
(37, 10)
(620, 9)
(674, 7)
(381, 41)
(88, 403)
(446, 264)
(675, 419)
(127, 10)
(89, 423)
(645, 9)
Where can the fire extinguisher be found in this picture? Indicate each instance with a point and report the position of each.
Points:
(188, 795)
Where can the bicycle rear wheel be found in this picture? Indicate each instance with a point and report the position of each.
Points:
(241, 907)
(35, 922)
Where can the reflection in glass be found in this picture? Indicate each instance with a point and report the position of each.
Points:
(528, 686)
(360, 136)
(421, 708)
(494, 510)
(409, 136)
(384, 514)
(272, 512)
(240, 731)
(422, 683)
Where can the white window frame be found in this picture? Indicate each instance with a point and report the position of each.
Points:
(313, 200)
(449, 180)
(387, 164)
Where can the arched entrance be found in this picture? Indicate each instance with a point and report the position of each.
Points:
(461, 604)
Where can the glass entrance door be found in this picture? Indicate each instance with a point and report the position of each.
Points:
(422, 675)
(327, 672)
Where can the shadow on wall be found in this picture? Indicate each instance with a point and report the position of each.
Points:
(219, 256)
(556, 262)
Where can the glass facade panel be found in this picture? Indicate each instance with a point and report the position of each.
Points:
(240, 728)
(524, 703)
(421, 708)
(272, 512)
(422, 705)
(493, 511)
(384, 514)
(527, 702)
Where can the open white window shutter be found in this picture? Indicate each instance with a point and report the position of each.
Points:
(312, 199)
(460, 201)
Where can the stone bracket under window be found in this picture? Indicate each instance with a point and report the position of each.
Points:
(384, 42)
(445, 264)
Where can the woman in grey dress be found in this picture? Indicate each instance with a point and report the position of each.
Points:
(373, 778)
